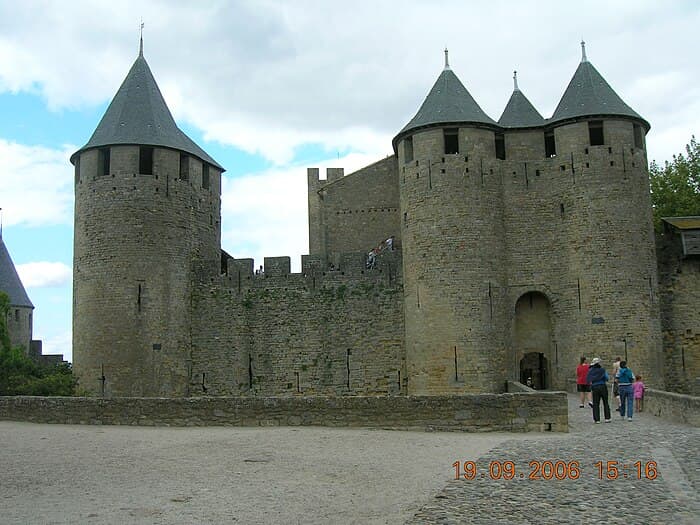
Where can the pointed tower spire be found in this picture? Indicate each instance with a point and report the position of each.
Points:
(141, 40)
(138, 114)
(447, 59)
(588, 94)
(10, 282)
(519, 112)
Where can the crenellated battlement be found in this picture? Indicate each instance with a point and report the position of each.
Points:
(316, 272)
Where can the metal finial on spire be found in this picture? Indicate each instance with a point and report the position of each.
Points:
(515, 81)
(583, 52)
(141, 40)
(447, 60)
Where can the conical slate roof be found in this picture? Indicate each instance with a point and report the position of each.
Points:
(519, 112)
(589, 94)
(9, 280)
(448, 102)
(138, 114)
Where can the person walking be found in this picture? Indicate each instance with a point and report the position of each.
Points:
(616, 388)
(625, 378)
(582, 385)
(597, 377)
(638, 388)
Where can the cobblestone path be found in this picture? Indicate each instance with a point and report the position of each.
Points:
(672, 497)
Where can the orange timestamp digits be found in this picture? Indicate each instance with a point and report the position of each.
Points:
(506, 470)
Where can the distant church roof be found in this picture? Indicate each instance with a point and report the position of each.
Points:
(138, 114)
(9, 280)
(519, 112)
(589, 94)
(448, 102)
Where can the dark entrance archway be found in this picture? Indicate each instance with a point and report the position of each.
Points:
(534, 370)
(533, 340)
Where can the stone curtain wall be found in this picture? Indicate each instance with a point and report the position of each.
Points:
(674, 407)
(316, 333)
(353, 213)
(531, 412)
(679, 283)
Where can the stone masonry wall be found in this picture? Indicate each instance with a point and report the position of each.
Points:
(353, 213)
(315, 333)
(529, 412)
(19, 326)
(679, 283)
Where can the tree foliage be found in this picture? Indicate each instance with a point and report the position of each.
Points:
(21, 375)
(675, 188)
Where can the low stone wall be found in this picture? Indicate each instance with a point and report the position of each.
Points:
(539, 411)
(674, 407)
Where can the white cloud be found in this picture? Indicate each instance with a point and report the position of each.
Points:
(59, 343)
(265, 214)
(44, 274)
(36, 184)
(268, 76)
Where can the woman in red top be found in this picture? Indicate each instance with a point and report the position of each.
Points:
(582, 385)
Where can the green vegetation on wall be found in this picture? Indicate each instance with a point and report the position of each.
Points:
(675, 188)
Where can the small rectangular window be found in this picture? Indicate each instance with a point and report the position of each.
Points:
(550, 146)
(103, 161)
(595, 132)
(145, 160)
(638, 137)
(205, 175)
(17, 316)
(408, 149)
(184, 167)
(500, 146)
(451, 136)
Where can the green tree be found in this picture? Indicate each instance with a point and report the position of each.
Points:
(21, 375)
(675, 188)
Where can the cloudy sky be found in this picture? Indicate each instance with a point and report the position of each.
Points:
(269, 88)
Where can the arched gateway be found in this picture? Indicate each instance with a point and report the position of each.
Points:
(533, 340)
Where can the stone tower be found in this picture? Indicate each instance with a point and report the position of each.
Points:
(19, 320)
(147, 224)
(452, 234)
(526, 242)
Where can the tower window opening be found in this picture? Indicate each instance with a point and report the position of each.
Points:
(103, 161)
(205, 176)
(184, 167)
(500, 146)
(145, 160)
(408, 149)
(550, 146)
(451, 136)
(595, 132)
(17, 316)
(638, 137)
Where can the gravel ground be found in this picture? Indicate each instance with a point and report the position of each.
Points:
(670, 498)
(112, 474)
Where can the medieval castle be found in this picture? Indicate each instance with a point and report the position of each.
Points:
(520, 244)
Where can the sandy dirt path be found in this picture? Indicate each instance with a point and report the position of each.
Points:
(113, 474)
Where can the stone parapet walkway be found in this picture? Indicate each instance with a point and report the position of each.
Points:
(647, 445)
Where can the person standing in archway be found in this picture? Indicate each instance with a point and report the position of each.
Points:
(582, 385)
(598, 379)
